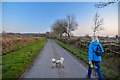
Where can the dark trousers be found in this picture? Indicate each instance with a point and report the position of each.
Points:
(100, 76)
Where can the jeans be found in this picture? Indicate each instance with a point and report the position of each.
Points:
(100, 76)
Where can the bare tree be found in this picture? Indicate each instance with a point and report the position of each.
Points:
(58, 27)
(65, 25)
(98, 22)
(104, 4)
(71, 24)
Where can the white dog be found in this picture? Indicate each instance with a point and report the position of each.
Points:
(58, 62)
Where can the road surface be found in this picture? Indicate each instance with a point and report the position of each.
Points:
(42, 66)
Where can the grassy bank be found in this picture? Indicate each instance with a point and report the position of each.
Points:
(11, 43)
(108, 73)
(14, 64)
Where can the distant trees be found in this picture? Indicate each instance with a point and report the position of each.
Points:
(87, 35)
(47, 34)
(98, 22)
(3, 32)
(24, 34)
(67, 25)
(116, 36)
(50, 35)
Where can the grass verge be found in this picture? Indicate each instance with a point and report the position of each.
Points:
(108, 73)
(14, 64)
(79, 53)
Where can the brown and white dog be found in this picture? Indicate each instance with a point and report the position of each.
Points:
(58, 62)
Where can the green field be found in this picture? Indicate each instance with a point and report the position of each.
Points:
(82, 55)
(14, 63)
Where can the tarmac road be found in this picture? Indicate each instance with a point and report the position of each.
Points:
(42, 66)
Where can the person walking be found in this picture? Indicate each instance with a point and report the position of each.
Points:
(94, 58)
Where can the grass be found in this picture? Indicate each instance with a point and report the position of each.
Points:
(79, 53)
(14, 64)
(107, 72)
(13, 43)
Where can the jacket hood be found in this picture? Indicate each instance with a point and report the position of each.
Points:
(96, 42)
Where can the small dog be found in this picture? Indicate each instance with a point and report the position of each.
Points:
(58, 62)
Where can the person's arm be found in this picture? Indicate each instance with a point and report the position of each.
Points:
(90, 53)
(101, 47)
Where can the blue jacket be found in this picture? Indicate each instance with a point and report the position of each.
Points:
(92, 55)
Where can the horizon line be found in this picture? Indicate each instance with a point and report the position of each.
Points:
(48, 31)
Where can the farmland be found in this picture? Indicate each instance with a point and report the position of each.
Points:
(13, 43)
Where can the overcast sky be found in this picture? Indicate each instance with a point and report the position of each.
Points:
(39, 16)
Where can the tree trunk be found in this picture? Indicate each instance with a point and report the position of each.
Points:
(94, 34)
(69, 35)
(60, 35)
